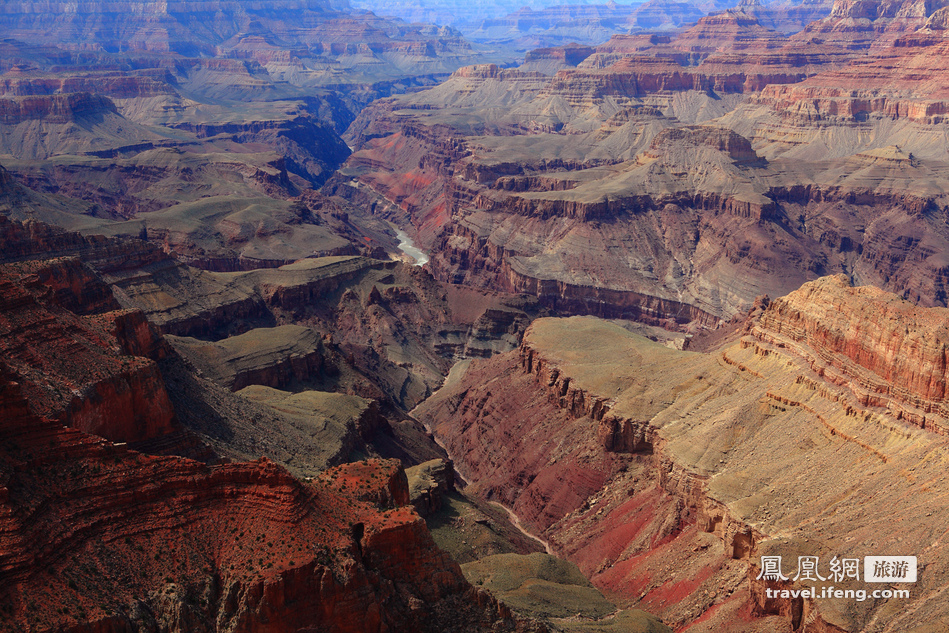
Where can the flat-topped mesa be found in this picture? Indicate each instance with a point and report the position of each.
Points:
(672, 150)
(571, 54)
(275, 357)
(888, 351)
(729, 30)
(110, 85)
(484, 72)
(478, 71)
(60, 108)
(641, 75)
(734, 145)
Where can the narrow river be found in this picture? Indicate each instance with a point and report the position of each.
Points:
(407, 246)
(516, 522)
(455, 374)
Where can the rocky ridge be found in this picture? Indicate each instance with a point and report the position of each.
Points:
(280, 554)
(792, 189)
(675, 492)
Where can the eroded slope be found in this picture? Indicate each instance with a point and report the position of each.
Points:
(686, 174)
(666, 475)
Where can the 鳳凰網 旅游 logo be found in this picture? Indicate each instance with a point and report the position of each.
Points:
(889, 569)
(875, 569)
(846, 571)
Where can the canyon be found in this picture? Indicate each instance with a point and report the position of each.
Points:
(502, 172)
(125, 473)
(666, 474)
(569, 319)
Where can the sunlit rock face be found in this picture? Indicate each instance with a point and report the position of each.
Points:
(686, 468)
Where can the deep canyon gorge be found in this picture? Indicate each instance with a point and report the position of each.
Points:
(595, 318)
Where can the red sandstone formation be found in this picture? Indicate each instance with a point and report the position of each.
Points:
(68, 365)
(888, 351)
(684, 468)
(97, 537)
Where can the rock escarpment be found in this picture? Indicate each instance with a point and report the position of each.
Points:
(827, 161)
(136, 542)
(273, 357)
(685, 468)
(96, 372)
(63, 108)
(888, 351)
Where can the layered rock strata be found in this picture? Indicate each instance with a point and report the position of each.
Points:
(136, 542)
(888, 351)
(684, 469)
(97, 372)
(708, 166)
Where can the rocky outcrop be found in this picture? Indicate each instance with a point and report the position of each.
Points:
(734, 146)
(565, 55)
(172, 543)
(389, 489)
(888, 351)
(90, 372)
(68, 283)
(64, 108)
(274, 357)
(428, 483)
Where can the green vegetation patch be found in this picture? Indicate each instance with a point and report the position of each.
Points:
(629, 621)
(539, 585)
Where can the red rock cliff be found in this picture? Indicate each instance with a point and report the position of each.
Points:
(95, 537)
(889, 351)
(92, 372)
